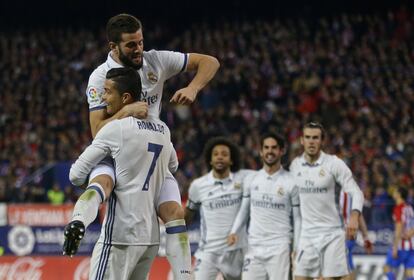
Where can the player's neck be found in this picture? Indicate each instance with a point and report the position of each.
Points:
(221, 175)
(272, 169)
(312, 158)
(116, 59)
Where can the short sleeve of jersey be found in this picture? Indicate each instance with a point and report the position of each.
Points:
(193, 197)
(397, 213)
(109, 138)
(95, 90)
(172, 63)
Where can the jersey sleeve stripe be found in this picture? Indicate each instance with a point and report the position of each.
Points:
(97, 108)
(185, 62)
(176, 229)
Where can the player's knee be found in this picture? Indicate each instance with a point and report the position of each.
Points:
(170, 211)
(106, 182)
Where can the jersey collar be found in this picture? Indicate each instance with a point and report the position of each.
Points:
(274, 175)
(215, 181)
(113, 64)
(318, 162)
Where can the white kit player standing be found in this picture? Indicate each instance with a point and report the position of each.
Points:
(320, 177)
(271, 202)
(126, 42)
(217, 195)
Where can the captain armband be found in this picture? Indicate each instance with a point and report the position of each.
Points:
(193, 205)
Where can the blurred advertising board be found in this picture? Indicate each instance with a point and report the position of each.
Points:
(63, 268)
(39, 214)
(23, 240)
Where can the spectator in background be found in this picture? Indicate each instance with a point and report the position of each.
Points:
(5, 193)
(70, 194)
(55, 195)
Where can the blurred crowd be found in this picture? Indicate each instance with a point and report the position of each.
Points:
(353, 73)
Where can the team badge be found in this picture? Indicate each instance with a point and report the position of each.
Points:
(322, 173)
(280, 191)
(152, 78)
(237, 186)
(93, 93)
(256, 188)
(299, 174)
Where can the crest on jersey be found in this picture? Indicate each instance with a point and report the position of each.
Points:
(322, 173)
(92, 93)
(299, 174)
(152, 78)
(256, 188)
(280, 191)
(237, 186)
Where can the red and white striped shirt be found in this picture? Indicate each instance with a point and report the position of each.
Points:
(404, 214)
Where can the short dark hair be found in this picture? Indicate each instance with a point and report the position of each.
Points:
(234, 151)
(122, 23)
(403, 193)
(279, 139)
(126, 79)
(315, 125)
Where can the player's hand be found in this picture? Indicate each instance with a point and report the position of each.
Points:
(394, 252)
(74, 232)
(232, 239)
(368, 246)
(137, 109)
(184, 96)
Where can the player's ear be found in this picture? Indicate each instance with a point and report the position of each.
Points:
(113, 47)
(126, 98)
(301, 140)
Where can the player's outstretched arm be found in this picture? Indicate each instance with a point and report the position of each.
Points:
(206, 67)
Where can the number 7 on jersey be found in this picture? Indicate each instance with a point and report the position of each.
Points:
(156, 149)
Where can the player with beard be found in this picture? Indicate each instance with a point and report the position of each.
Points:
(126, 43)
(271, 201)
(217, 195)
(321, 248)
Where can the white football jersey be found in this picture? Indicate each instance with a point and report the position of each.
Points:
(271, 200)
(141, 151)
(319, 186)
(218, 201)
(157, 67)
